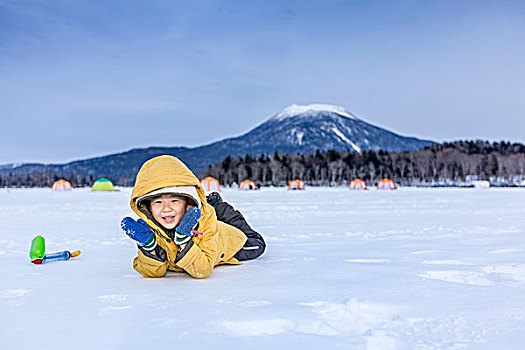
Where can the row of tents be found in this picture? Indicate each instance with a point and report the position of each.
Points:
(211, 184)
(101, 184)
(383, 184)
(356, 184)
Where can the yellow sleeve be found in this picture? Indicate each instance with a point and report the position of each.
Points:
(197, 262)
(149, 267)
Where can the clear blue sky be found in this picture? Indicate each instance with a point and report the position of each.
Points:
(87, 77)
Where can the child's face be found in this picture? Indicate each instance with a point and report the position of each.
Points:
(168, 209)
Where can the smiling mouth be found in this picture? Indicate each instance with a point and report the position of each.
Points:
(168, 219)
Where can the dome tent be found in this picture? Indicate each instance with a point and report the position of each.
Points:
(386, 184)
(296, 185)
(210, 184)
(357, 184)
(247, 185)
(102, 184)
(62, 185)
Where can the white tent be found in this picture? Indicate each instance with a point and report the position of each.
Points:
(481, 184)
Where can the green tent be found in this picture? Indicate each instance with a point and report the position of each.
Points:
(102, 184)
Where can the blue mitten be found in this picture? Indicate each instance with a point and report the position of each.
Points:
(188, 221)
(140, 232)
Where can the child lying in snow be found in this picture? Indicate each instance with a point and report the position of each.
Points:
(182, 230)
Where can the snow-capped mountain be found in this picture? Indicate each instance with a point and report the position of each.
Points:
(297, 128)
(317, 126)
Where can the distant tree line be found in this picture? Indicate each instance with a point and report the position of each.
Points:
(45, 178)
(447, 163)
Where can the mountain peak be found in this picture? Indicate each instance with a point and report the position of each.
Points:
(306, 110)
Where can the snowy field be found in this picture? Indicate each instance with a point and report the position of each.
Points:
(406, 269)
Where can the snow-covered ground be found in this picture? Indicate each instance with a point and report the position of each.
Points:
(406, 269)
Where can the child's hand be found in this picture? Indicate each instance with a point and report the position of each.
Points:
(139, 231)
(188, 221)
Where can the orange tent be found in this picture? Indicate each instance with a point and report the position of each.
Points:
(210, 184)
(358, 184)
(386, 184)
(62, 185)
(247, 185)
(296, 185)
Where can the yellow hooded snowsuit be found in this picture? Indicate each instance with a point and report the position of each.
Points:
(218, 243)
